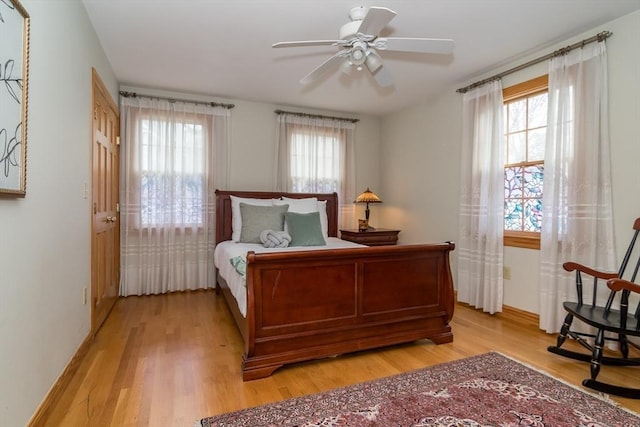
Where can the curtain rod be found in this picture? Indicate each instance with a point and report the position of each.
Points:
(317, 116)
(212, 104)
(598, 37)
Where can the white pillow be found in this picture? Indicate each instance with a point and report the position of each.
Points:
(236, 217)
(307, 205)
(324, 222)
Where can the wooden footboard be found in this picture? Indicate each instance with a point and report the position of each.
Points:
(308, 305)
(311, 304)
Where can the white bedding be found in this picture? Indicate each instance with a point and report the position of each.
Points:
(226, 250)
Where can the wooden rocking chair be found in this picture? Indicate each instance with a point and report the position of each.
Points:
(621, 322)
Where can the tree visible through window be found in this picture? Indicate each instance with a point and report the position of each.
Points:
(172, 172)
(525, 120)
(315, 161)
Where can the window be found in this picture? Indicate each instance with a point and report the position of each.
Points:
(316, 159)
(525, 121)
(316, 154)
(172, 171)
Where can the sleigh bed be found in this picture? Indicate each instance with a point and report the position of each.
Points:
(303, 304)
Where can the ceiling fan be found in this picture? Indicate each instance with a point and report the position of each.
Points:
(360, 40)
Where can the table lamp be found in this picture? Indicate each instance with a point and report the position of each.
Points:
(367, 197)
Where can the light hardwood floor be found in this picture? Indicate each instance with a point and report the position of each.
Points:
(170, 360)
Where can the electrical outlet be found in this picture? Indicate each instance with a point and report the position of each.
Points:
(506, 273)
(84, 296)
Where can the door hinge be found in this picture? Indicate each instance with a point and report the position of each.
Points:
(118, 207)
(117, 140)
(95, 114)
(95, 208)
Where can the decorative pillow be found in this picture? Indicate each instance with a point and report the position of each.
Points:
(305, 229)
(274, 239)
(255, 219)
(308, 205)
(236, 218)
(240, 264)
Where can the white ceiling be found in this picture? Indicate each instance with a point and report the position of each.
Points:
(223, 48)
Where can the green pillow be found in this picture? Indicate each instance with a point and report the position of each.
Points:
(304, 229)
(256, 219)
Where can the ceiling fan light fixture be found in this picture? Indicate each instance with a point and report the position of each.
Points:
(373, 61)
(346, 67)
(358, 57)
(358, 54)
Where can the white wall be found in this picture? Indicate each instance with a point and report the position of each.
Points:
(420, 150)
(45, 237)
(419, 166)
(253, 137)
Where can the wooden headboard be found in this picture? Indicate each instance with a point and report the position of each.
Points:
(223, 208)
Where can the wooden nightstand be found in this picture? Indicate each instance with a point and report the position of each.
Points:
(377, 237)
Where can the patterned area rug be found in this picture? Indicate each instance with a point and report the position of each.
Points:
(485, 390)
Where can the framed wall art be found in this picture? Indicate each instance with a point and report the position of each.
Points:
(14, 72)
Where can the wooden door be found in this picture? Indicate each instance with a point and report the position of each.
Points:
(105, 236)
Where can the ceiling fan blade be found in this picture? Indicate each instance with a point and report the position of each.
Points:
(420, 45)
(324, 67)
(375, 20)
(308, 43)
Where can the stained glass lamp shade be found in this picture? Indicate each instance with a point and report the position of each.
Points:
(367, 197)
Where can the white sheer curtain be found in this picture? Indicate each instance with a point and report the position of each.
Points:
(481, 226)
(577, 222)
(317, 155)
(173, 157)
